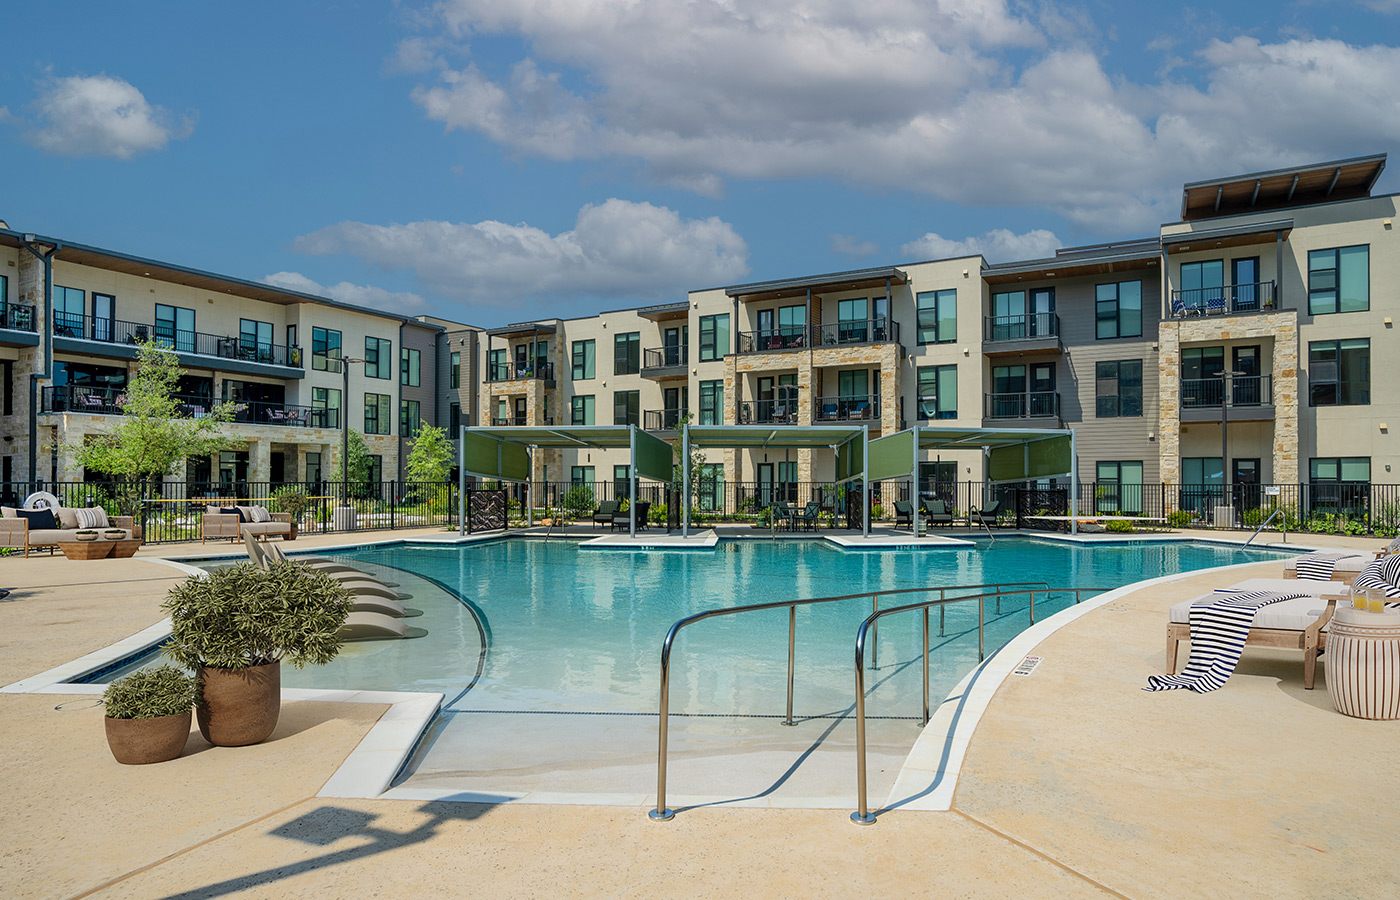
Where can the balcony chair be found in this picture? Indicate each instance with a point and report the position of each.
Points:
(1215, 306)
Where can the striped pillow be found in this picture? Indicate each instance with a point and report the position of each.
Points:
(94, 517)
(260, 514)
(1383, 574)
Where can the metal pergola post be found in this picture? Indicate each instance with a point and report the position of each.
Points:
(865, 483)
(462, 481)
(632, 483)
(914, 482)
(529, 487)
(685, 480)
(1073, 483)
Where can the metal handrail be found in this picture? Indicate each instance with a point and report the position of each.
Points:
(863, 816)
(1265, 524)
(661, 813)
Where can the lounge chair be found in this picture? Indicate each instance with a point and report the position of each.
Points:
(603, 515)
(985, 516)
(366, 625)
(903, 513)
(1299, 624)
(936, 513)
(328, 564)
(620, 519)
(366, 595)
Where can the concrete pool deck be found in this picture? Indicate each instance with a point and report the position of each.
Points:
(1076, 784)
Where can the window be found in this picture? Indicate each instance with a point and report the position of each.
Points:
(1119, 487)
(498, 365)
(582, 410)
(1340, 470)
(581, 475)
(313, 467)
(938, 392)
(410, 417)
(1119, 388)
(584, 355)
(625, 408)
(1340, 485)
(377, 413)
(379, 355)
(938, 317)
(1118, 310)
(711, 486)
(627, 353)
(1339, 373)
(410, 367)
(104, 314)
(455, 370)
(68, 309)
(175, 327)
(621, 476)
(325, 350)
(1202, 484)
(255, 340)
(714, 337)
(712, 402)
(1339, 280)
(376, 468)
(1203, 283)
(454, 420)
(325, 407)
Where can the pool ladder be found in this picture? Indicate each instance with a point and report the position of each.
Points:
(868, 627)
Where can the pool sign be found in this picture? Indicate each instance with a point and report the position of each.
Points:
(1027, 666)
(1271, 490)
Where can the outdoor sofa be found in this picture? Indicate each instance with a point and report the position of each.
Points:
(231, 521)
(16, 530)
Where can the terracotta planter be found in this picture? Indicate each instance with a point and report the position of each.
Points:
(138, 742)
(240, 706)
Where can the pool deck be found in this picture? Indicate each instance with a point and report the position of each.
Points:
(1076, 784)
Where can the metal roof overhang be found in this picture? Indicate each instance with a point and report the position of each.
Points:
(519, 329)
(1231, 236)
(835, 281)
(1096, 261)
(763, 437)
(665, 311)
(1342, 179)
(931, 438)
(564, 436)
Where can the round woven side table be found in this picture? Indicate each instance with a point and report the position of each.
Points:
(1363, 663)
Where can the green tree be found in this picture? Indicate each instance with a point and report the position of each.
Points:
(360, 468)
(429, 461)
(155, 432)
(697, 459)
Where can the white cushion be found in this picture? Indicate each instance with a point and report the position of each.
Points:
(1288, 615)
(1352, 564)
(260, 514)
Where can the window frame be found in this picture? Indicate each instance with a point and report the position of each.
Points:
(321, 361)
(454, 370)
(1338, 275)
(410, 418)
(1117, 315)
(627, 353)
(712, 348)
(1117, 396)
(938, 299)
(378, 353)
(583, 409)
(382, 404)
(1342, 390)
(629, 402)
(410, 367)
(583, 359)
(925, 376)
(714, 388)
(325, 404)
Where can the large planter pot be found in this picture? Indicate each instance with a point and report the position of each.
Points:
(138, 742)
(240, 706)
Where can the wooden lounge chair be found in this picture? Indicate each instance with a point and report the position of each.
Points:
(936, 513)
(903, 513)
(603, 515)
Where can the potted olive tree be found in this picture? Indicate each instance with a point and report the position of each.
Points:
(148, 715)
(235, 626)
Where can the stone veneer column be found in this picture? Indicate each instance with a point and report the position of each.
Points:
(29, 289)
(1168, 402)
(1286, 403)
(889, 388)
(260, 460)
(806, 388)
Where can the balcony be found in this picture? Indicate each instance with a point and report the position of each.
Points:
(517, 421)
(768, 412)
(521, 371)
(17, 317)
(1229, 299)
(1251, 399)
(665, 362)
(662, 419)
(1035, 409)
(108, 401)
(798, 337)
(1018, 335)
(129, 334)
(856, 408)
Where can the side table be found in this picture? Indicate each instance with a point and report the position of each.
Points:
(97, 549)
(1363, 663)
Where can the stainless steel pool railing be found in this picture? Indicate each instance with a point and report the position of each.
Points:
(863, 816)
(661, 813)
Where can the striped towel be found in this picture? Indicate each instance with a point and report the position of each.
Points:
(1383, 574)
(1219, 626)
(1318, 566)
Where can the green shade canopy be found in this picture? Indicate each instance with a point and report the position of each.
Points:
(892, 456)
(931, 438)
(561, 436)
(1043, 458)
(488, 457)
(653, 457)
(766, 437)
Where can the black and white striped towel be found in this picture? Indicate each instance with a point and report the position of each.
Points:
(1383, 574)
(1318, 566)
(1219, 626)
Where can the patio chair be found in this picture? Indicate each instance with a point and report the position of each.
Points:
(985, 516)
(784, 515)
(936, 513)
(809, 515)
(903, 513)
(621, 519)
(1298, 624)
(603, 515)
(830, 411)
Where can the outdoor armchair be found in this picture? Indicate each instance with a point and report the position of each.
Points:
(603, 515)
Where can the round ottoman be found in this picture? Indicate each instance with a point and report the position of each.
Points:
(1363, 663)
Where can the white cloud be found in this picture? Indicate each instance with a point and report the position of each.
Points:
(997, 245)
(905, 95)
(616, 249)
(850, 245)
(401, 302)
(100, 115)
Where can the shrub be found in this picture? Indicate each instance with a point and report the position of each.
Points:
(150, 694)
(1118, 525)
(578, 500)
(292, 500)
(657, 514)
(877, 511)
(1179, 518)
(1253, 518)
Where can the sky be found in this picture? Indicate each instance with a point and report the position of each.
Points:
(492, 161)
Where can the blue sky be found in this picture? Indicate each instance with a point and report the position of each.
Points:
(493, 160)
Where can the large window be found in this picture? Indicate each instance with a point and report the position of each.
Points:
(621, 477)
(1203, 283)
(1340, 485)
(581, 474)
(1339, 280)
(938, 317)
(68, 309)
(1339, 372)
(378, 413)
(938, 392)
(325, 407)
(712, 402)
(584, 355)
(175, 327)
(455, 370)
(625, 408)
(255, 340)
(325, 349)
(1118, 385)
(498, 365)
(582, 410)
(1119, 487)
(711, 486)
(1202, 484)
(410, 367)
(410, 418)
(627, 353)
(454, 419)
(379, 356)
(714, 337)
(1118, 310)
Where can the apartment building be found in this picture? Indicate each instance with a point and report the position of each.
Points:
(1237, 347)
(302, 368)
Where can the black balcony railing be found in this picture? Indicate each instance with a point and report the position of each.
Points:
(518, 371)
(851, 408)
(768, 412)
(110, 401)
(665, 357)
(1035, 404)
(792, 337)
(662, 419)
(1252, 390)
(17, 317)
(797, 337)
(517, 421)
(1228, 298)
(1021, 328)
(115, 331)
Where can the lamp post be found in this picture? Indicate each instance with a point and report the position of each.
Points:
(345, 428)
(1227, 378)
